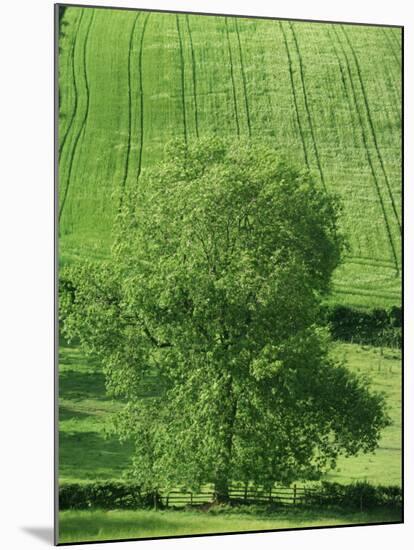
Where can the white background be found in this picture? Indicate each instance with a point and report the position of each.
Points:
(26, 272)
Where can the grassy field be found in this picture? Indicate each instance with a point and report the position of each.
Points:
(328, 96)
(385, 372)
(85, 411)
(101, 525)
(86, 453)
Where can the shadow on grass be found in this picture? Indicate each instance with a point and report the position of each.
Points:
(75, 384)
(90, 456)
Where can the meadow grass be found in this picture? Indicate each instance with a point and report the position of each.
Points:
(86, 453)
(327, 97)
(96, 525)
(384, 369)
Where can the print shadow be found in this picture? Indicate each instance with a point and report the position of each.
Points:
(44, 534)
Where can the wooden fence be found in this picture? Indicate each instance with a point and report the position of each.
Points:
(289, 496)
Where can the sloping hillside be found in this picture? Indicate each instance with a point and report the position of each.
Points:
(329, 96)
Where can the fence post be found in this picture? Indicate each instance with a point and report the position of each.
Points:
(191, 499)
(168, 498)
(270, 495)
(245, 490)
(294, 495)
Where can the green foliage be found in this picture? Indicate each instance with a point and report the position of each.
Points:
(111, 495)
(376, 327)
(221, 259)
(105, 495)
(360, 495)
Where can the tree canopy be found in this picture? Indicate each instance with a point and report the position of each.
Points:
(206, 322)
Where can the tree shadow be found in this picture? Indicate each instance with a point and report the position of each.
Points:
(91, 456)
(74, 384)
(66, 413)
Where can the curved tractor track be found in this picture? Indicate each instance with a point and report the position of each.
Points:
(294, 83)
(75, 102)
(82, 128)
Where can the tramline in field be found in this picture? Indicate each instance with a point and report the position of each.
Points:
(327, 95)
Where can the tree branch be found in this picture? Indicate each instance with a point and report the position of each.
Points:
(154, 340)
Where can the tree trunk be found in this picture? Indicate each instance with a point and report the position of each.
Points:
(221, 489)
(221, 483)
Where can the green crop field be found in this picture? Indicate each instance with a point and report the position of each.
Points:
(327, 96)
(87, 454)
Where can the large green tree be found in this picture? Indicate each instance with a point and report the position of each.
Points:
(206, 322)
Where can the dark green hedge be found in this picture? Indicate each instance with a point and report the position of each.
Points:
(361, 495)
(112, 495)
(106, 495)
(376, 327)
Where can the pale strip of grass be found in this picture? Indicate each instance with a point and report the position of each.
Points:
(79, 526)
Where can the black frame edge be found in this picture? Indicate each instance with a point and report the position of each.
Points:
(215, 14)
(56, 9)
